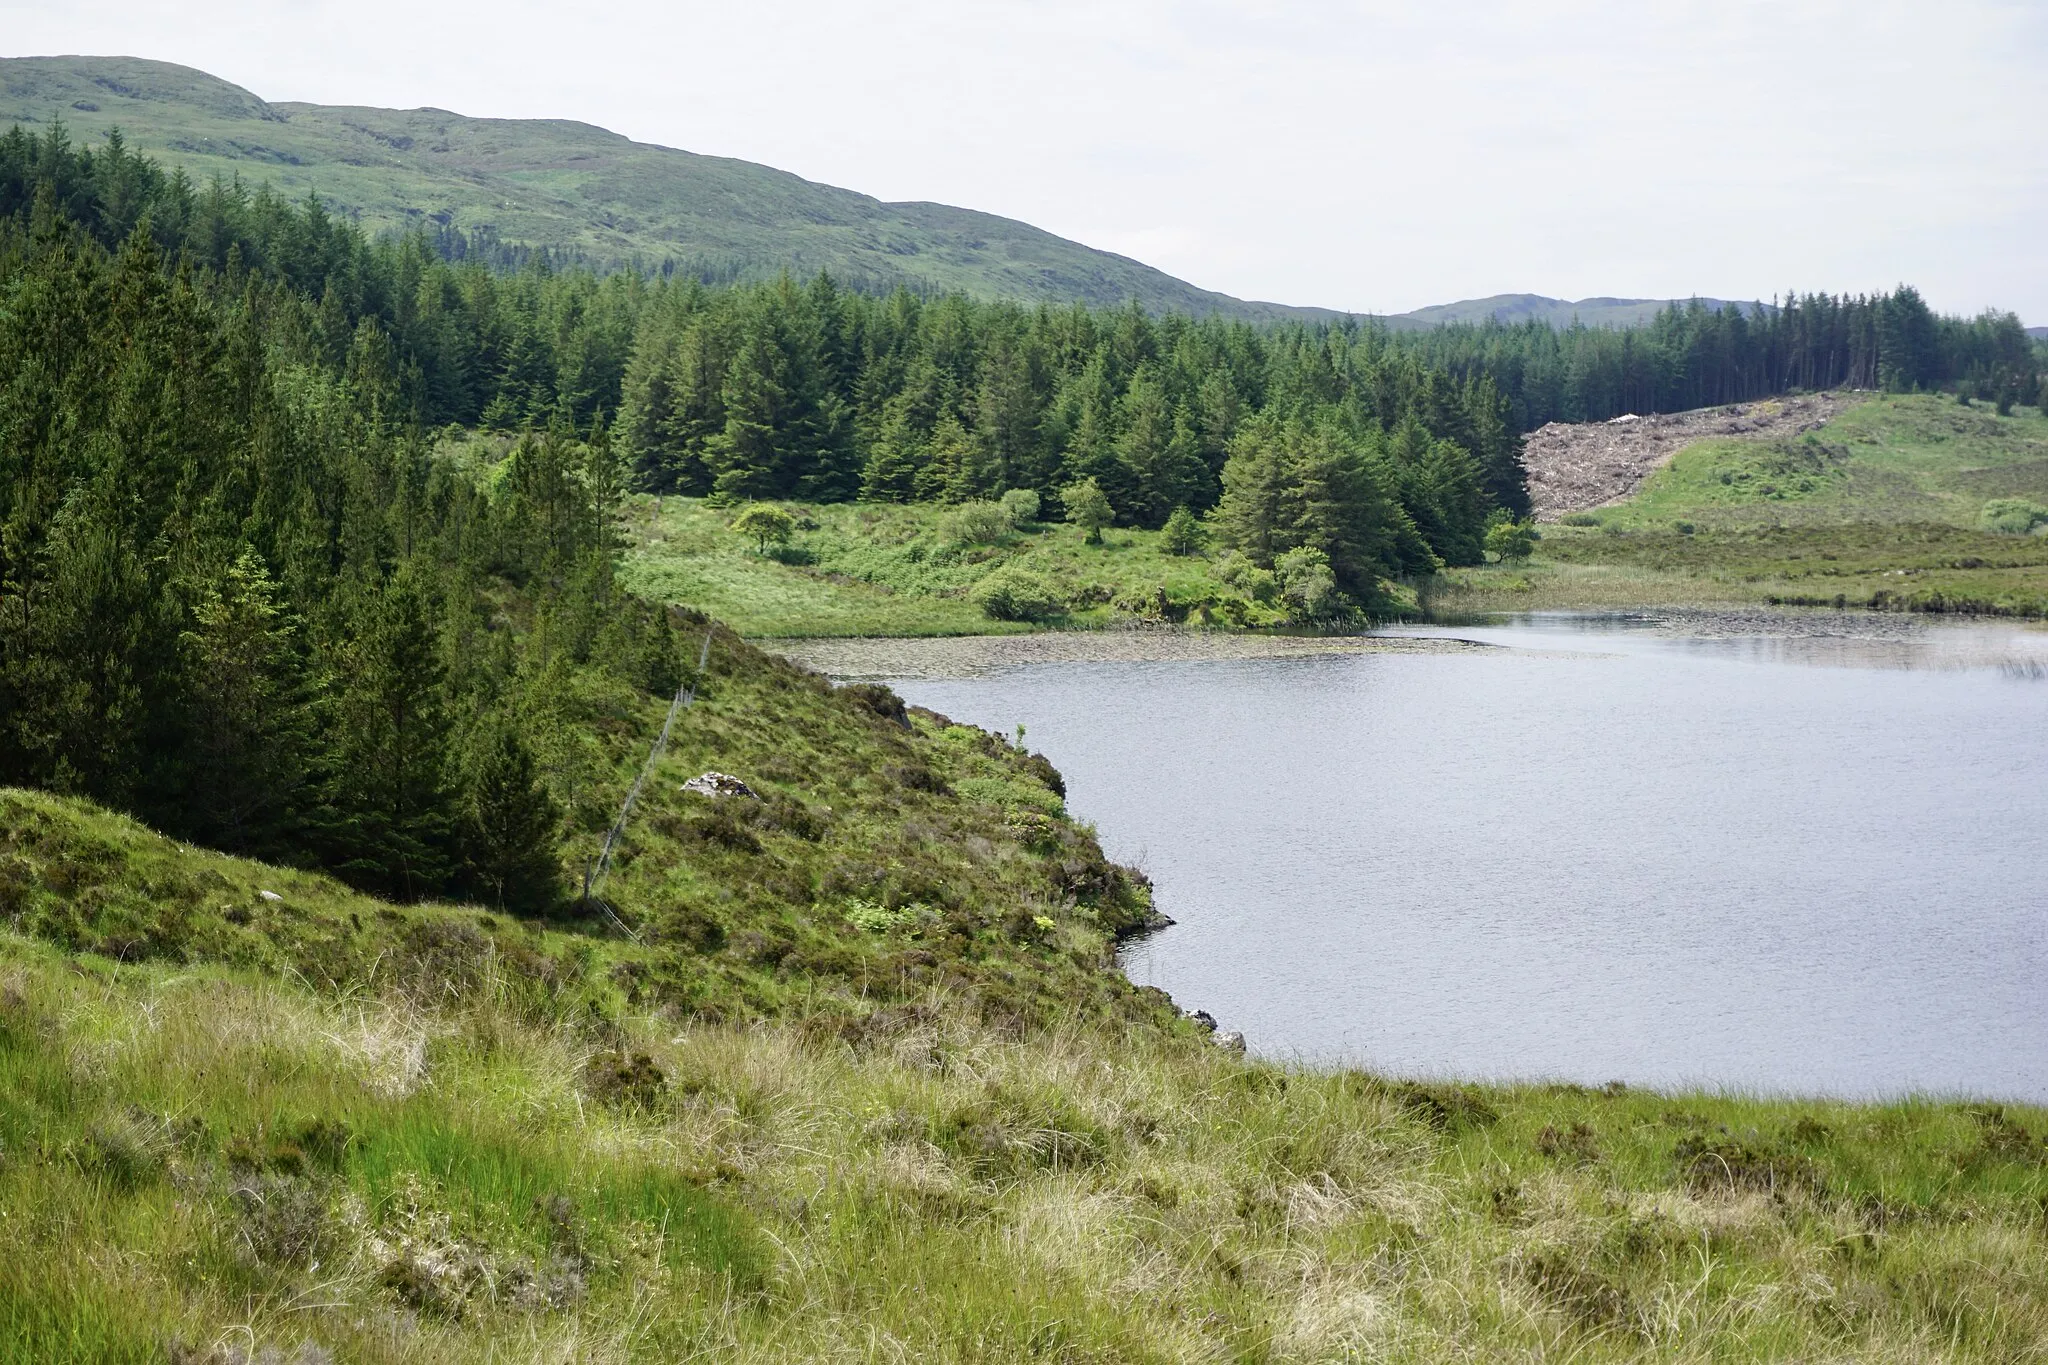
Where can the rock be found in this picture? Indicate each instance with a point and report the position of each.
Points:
(716, 784)
(1230, 1041)
(271, 896)
(1204, 1020)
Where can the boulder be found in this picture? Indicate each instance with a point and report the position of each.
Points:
(716, 784)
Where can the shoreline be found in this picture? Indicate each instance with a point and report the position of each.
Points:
(1950, 641)
(957, 656)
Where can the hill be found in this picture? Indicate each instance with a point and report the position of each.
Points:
(1897, 501)
(592, 194)
(1514, 308)
(596, 196)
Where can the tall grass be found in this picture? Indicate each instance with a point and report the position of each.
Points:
(941, 1190)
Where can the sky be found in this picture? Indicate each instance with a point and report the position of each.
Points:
(1369, 155)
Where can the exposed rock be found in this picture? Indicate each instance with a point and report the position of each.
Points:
(271, 896)
(716, 784)
(1230, 1040)
(1203, 1020)
(1576, 466)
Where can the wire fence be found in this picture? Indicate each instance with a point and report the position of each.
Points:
(601, 866)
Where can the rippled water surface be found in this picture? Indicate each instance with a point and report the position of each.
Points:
(1752, 854)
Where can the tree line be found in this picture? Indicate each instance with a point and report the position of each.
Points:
(1693, 356)
(242, 595)
(241, 598)
(813, 391)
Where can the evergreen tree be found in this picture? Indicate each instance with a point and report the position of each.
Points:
(387, 793)
(747, 457)
(1157, 455)
(508, 823)
(249, 738)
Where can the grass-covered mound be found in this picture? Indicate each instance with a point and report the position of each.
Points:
(479, 1146)
(881, 852)
(1910, 502)
(860, 569)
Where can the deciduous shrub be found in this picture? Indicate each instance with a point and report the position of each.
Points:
(1510, 540)
(976, 523)
(1310, 587)
(1021, 506)
(765, 525)
(1011, 594)
(2013, 516)
(1088, 508)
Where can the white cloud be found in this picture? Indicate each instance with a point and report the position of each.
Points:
(1363, 155)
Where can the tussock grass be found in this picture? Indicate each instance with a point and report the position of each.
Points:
(198, 1153)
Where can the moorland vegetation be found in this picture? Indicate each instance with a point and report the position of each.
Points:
(1905, 502)
(841, 1066)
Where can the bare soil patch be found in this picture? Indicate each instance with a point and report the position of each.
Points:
(1577, 466)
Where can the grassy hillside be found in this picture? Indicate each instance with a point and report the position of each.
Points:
(569, 185)
(322, 1128)
(1882, 507)
(887, 569)
(849, 1074)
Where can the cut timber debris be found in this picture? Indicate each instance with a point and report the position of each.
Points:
(1577, 466)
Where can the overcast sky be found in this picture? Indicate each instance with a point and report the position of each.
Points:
(1368, 156)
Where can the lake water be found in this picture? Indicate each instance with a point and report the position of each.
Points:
(1751, 853)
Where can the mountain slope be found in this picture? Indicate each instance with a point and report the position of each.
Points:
(576, 187)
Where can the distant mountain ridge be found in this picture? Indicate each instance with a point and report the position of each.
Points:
(1514, 308)
(581, 188)
(602, 197)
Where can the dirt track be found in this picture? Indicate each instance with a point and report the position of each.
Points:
(1577, 466)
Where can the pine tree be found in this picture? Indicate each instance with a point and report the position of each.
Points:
(746, 458)
(248, 736)
(1158, 460)
(508, 822)
(387, 792)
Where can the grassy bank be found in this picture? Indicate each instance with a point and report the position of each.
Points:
(886, 569)
(1879, 509)
(1882, 508)
(852, 1076)
(486, 1146)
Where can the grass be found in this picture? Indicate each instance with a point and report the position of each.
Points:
(1879, 509)
(221, 1158)
(868, 569)
(858, 1081)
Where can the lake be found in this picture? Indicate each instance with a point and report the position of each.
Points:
(1748, 852)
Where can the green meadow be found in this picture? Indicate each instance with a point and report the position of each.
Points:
(1882, 508)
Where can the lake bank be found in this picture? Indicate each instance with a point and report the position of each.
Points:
(1663, 848)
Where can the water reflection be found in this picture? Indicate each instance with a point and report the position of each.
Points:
(1663, 851)
(1825, 639)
